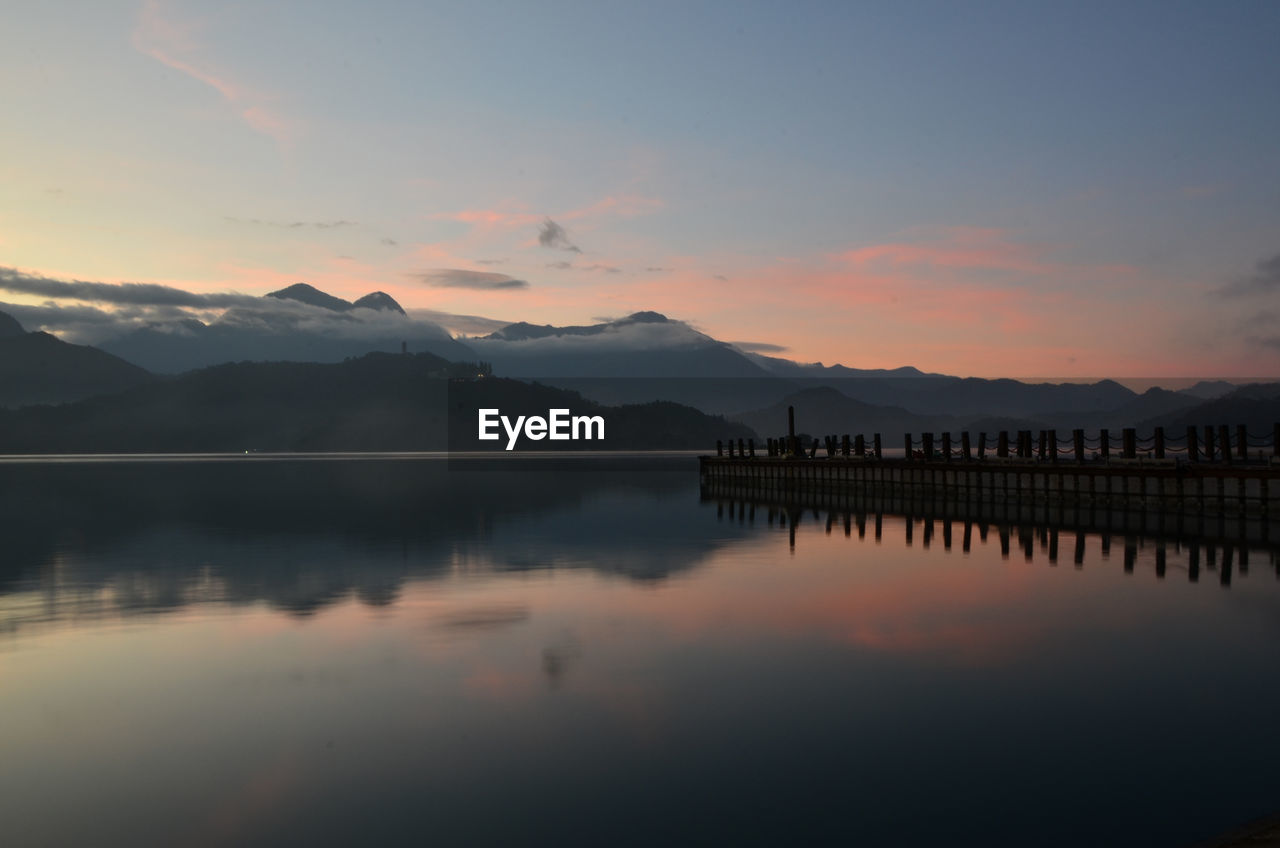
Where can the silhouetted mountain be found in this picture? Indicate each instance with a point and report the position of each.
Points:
(1210, 389)
(312, 296)
(1257, 406)
(40, 368)
(377, 402)
(645, 344)
(296, 324)
(816, 370)
(9, 326)
(1153, 403)
(823, 410)
(380, 301)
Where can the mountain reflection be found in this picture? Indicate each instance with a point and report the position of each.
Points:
(87, 541)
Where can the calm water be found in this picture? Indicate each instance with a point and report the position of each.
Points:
(335, 653)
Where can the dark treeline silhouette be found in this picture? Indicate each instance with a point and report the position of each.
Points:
(378, 402)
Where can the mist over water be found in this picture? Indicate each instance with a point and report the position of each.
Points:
(400, 651)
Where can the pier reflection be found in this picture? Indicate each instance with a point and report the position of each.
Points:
(1155, 542)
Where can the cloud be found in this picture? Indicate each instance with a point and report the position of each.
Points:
(455, 323)
(173, 43)
(296, 225)
(654, 269)
(1265, 279)
(138, 294)
(551, 234)
(722, 278)
(491, 262)
(561, 265)
(608, 269)
(759, 347)
(458, 278)
(389, 242)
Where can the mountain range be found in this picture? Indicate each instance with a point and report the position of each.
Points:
(640, 359)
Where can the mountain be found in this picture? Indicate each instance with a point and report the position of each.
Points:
(1210, 389)
(823, 411)
(37, 368)
(1256, 405)
(295, 324)
(9, 326)
(312, 296)
(644, 344)
(816, 370)
(378, 402)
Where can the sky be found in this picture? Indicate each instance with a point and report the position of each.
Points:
(985, 189)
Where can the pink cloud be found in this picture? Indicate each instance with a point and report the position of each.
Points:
(172, 42)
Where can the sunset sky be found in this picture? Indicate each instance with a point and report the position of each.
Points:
(989, 189)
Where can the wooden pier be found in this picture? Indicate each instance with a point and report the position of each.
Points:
(1213, 475)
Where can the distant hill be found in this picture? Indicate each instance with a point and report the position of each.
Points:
(312, 296)
(9, 326)
(1257, 406)
(377, 402)
(37, 368)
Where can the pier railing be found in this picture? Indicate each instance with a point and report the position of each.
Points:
(1209, 444)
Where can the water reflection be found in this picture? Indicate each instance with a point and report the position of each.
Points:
(393, 653)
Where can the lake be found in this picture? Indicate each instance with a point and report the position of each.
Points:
(407, 650)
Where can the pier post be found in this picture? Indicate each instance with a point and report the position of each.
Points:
(1159, 443)
(1208, 443)
(964, 446)
(1053, 445)
(1104, 443)
(860, 445)
(1224, 437)
(1242, 442)
(1193, 445)
(719, 448)
(1130, 442)
(1044, 445)
(1078, 437)
(876, 443)
(927, 442)
(792, 447)
(946, 446)
(982, 445)
(1002, 444)
(751, 446)
(844, 445)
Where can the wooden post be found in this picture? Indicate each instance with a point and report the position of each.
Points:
(813, 451)
(859, 445)
(1242, 442)
(964, 446)
(876, 444)
(731, 448)
(719, 448)
(1208, 443)
(1130, 442)
(982, 445)
(1002, 444)
(1078, 437)
(906, 440)
(844, 445)
(1159, 443)
(1044, 445)
(927, 440)
(1224, 439)
(751, 446)
(1193, 444)
(792, 446)
(946, 446)
(1053, 445)
(1104, 443)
